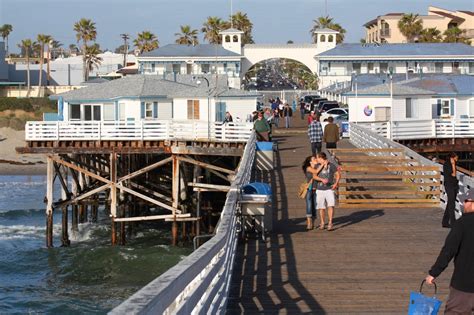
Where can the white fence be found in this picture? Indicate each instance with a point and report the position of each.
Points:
(424, 129)
(363, 137)
(136, 130)
(199, 284)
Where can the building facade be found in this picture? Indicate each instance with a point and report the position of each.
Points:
(384, 28)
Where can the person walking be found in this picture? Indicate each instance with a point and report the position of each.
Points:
(287, 113)
(311, 174)
(302, 109)
(329, 181)
(451, 187)
(262, 128)
(331, 134)
(315, 134)
(459, 245)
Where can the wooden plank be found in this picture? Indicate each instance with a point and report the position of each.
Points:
(206, 165)
(150, 200)
(366, 150)
(152, 217)
(389, 206)
(389, 192)
(349, 175)
(179, 219)
(364, 158)
(210, 186)
(79, 169)
(387, 184)
(145, 169)
(388, 200)
(378, 168)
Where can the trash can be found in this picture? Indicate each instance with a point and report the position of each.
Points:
(264, 156)
(256, 202)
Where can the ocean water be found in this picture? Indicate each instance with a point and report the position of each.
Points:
(89, 277)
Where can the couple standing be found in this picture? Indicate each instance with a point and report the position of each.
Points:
(323, 177)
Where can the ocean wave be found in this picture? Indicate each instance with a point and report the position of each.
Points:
(15, 214)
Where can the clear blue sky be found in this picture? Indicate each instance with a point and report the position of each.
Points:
(275, 21)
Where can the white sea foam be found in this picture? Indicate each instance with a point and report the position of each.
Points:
(128, 256)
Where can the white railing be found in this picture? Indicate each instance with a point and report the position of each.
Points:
(136, 130)
(423, 129)
(363, 137)
(200, 283)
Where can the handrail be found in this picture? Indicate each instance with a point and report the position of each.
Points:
(424, 129)
(136, 130)
(364, 137)
(200, 282)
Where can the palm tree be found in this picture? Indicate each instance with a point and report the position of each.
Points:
(455, 35)
(92, 57)
(211, 29)
(430, 35)
(241, 22)
(42, 40)
(187, 36)
(5, 31)
(26, 46)
(411, 26)
(85, 31)
(146, 41)
(327, 22)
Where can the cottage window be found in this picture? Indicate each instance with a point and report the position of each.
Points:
(121, 111)
(92, 112)
(471, 108)
(205, 68)
(408, 108)
(177, 68)
(323, 38)
(109, 112)
(370, 66)
(446, 107)
(193, 109)
(438, 67)
(471, 68)
(74, 112)
(383, 67)
(148, 110)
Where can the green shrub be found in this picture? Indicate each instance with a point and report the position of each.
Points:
(42, 104)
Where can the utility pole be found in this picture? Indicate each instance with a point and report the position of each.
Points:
(125, 38)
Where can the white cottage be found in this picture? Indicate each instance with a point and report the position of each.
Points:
(167, 97)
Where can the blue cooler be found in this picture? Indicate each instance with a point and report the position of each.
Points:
(256, 201)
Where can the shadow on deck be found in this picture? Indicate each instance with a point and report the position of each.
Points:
(368, 264)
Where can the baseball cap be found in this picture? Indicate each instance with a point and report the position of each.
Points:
(468, 195)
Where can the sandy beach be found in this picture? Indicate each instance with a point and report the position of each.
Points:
(12, 163)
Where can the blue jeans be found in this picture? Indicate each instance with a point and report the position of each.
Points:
(287, 121)
(311, 204)
(276, 121)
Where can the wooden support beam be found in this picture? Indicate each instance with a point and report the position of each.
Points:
(153, 217)
(175, 195)
(150, 200)
(206, 165)
(65, 194)
(49, 201)
(79, 169)
(145, 169)
(113, 195)
(210, 186)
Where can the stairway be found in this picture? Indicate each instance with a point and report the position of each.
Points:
(385, 178)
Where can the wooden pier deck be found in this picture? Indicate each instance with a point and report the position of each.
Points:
(368, 264)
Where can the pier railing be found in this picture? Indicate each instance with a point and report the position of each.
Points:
(136, 130)
(364, 137)
(424, 129)
(200, 282)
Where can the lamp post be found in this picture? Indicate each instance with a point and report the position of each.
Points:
(198, 82)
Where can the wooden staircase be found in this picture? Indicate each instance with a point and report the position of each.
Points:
(385, 178)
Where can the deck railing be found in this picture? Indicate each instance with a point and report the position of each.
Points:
(424, 129)
(363, 137)
(136, 130)
(199, 283)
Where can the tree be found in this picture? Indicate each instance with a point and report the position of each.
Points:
(86, 31)
(73, 50)
(411, 26)
(187, 36)
(455, 35)
(430, 35)
(241, 22)
(327, 22)
(290, 42)
(146, 41)
(362, 41)
(5, 31)
(211, 29)
(92, 57)
(26, 46)
(42, 40)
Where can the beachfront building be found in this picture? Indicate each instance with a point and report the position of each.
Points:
(224, 59)
(420, 98)
(384, 28)
(148, 98)
(341, 63)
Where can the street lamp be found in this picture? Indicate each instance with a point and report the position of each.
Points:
(198, 82)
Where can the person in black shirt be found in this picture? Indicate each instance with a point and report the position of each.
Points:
(451, 187)
(459, 245)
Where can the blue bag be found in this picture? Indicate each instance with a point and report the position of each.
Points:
(421, 304)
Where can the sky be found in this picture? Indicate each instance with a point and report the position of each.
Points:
(275, 21)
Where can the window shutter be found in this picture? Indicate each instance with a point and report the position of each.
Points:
(155, 110)
(142, 110)
(451, 107)
(438, 107)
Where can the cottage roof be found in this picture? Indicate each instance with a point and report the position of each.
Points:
(143, 86)
(201, 50)
(393, 50)
(231, 30)
(326, 30)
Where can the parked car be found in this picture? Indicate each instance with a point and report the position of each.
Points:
(327, 105)
(308, 100)
(315, 103)
(333, 112)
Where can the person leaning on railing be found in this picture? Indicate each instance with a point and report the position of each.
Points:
(262, 128)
